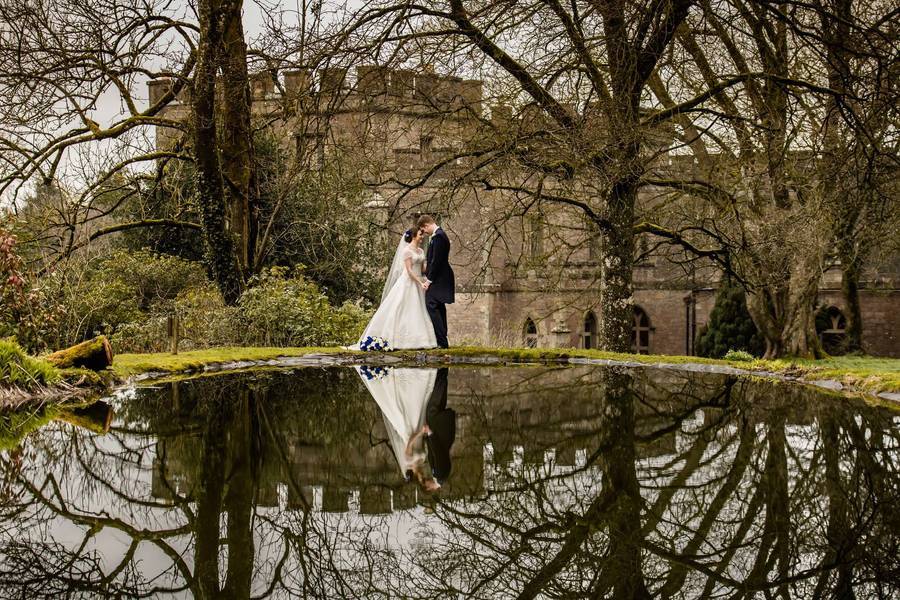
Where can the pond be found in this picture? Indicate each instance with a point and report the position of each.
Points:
(486, 482)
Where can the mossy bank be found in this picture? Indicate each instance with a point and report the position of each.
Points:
(864, 374)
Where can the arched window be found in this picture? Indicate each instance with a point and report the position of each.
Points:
(831, 325)
(531, 334)
(589, 332)
(640, 332)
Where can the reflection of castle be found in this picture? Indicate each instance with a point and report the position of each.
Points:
(393, 124)
(511, 429)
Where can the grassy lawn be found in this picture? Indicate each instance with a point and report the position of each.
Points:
(126, 365)
(862, 373)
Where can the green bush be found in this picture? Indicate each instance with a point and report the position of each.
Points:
(730, 327)
(112, 293)
(739, 356)
(278, 309)
(21, 370)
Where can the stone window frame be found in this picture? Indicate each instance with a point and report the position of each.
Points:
(639, 326)
(832, 337)
(530, 333)
(589, 334)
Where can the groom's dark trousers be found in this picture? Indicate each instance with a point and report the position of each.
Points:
(442, 422)
(438, 313)
(441, 292)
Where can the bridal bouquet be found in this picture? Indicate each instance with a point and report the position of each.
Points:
(374, 344)
(371, 373)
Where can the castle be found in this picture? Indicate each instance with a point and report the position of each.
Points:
(522, 280)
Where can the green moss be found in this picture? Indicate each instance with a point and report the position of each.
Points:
(85, 377)
(861, 373)
(15, 425)
(864, 373)
(23, 371)
(126, 365)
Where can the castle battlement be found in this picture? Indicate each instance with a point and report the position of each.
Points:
(371, 84)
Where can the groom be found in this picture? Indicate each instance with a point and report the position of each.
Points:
(439, 281)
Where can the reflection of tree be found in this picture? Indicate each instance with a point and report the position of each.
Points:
(227, 483)
(576, 482)
(736, 509)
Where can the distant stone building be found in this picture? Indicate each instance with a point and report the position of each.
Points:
(395, 126)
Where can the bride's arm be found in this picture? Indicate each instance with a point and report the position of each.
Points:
(407, 262)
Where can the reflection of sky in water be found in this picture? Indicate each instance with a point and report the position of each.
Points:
(530, 470)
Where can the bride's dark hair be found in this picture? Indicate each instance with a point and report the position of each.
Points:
(408, 236)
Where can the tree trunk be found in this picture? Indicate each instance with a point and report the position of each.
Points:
(784, 314)
(220, 250)
(209, 493)
(238, 500)
(617, 462)
(836, 30)
(850, 270)
(617, 308)
(237, 135)
(839, 534)
(95, 354)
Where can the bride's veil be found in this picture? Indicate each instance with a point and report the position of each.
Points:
(396, 269)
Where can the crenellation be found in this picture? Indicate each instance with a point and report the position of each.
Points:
(262, 85)
(332, 80)
(297, 81)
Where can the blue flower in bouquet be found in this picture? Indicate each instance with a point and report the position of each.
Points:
(374, 344)
(371, 373)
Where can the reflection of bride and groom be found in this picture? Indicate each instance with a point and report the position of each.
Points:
(421, 429)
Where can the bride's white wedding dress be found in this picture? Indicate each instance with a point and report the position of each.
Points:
(402, 395)
(402, 319)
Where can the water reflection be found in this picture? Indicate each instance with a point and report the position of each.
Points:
(402, 395)
(555, 482)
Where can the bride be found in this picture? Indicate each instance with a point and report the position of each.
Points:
(402, 319)
(402, 395)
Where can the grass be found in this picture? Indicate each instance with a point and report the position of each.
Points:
(127, 365)
(865, 373)
(17, 369)
(862, 373)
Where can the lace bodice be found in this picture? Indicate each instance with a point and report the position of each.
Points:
(418, 256)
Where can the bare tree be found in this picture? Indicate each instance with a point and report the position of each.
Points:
(773, 156)
(577, 74)
(62, 62)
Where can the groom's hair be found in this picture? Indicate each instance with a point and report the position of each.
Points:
(424, 220)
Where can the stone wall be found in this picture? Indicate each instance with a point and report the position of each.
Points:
(881, 318)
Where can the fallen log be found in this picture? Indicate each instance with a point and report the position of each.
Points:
(95, 354)
(97, 417)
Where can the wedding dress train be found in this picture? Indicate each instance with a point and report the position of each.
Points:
(402, 395)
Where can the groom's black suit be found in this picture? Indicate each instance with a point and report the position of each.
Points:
(441, 291)
(442, 422)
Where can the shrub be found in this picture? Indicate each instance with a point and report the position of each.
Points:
(106, 294)
(280, 310)
(730, 327)
(26, 313)
(739, 356)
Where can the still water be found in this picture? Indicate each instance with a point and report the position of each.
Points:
(531, 482)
